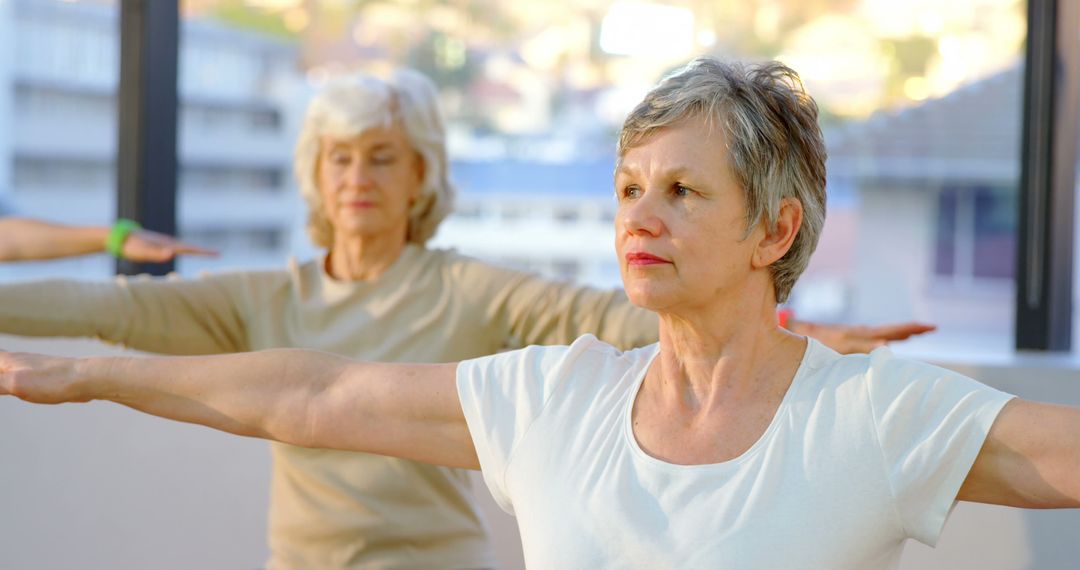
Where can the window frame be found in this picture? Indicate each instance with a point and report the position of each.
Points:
(1044, 264)
(147, 119)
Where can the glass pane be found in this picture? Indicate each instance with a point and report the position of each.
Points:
(995, 233)
(945, 229)
(921, 113)
(241, 89)
(920, 104)
(58, 78)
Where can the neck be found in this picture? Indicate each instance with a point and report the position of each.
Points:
(716, 356)
(363, 258)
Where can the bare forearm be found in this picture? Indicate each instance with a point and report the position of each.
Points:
(24, 239)
(266, 394)
(301, 397)
(1030, 459)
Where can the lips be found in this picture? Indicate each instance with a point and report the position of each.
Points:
(641, 258)
(359, 204)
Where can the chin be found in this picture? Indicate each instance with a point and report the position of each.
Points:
(363, 228)
(648, 296)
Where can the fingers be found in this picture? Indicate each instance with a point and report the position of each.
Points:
(897, 331)
(152, 247)
(181, 248)
(39, 379)
(167, 253)
(8, 368)
(861, 346)
(5, 376)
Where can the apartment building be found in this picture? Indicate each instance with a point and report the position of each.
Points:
(58, 130)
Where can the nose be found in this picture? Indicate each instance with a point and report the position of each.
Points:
(641, 216)
(357, 174)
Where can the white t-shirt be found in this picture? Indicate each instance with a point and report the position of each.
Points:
(864, 452)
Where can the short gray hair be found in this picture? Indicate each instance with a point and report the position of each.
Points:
(774, 143)
(347, 107)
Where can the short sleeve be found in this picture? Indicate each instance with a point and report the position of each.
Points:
(931, 424)
(501, 396)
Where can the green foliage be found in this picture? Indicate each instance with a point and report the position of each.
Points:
(912, 54)
(444, 59)
(236, 14)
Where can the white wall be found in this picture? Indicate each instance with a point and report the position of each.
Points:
(900, 222)
(100, 486)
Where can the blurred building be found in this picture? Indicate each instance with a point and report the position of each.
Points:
(539, 203)
(58, 83)
(554, 218)
(937, 187)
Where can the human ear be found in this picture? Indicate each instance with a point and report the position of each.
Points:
(776, 243)
(419, 166)
(420, 171)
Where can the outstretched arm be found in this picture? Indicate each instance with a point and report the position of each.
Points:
(850, 339)
(533, 310)
(1031, 459)
(23, 239)
(301, 397)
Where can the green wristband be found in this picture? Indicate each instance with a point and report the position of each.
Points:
(114, 242)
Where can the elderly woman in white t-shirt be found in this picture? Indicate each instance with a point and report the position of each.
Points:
(725, 444)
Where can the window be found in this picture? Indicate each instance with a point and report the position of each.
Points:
(239, 120)
(255, 240)
(236, 88)
(238, 177)
(920, 109)
(57, 105)
(34, 175)
(975, 235)
(567, 216)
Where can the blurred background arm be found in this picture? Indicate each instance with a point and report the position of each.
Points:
(24, 239)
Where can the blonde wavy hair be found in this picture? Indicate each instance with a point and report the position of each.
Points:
(347, 107)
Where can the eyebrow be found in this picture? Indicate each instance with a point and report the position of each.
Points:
(376, 147)
(675, 172)
(678, 171)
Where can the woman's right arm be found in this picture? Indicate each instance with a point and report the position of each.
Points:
(163, 315)
(301, 397)
(23, 239)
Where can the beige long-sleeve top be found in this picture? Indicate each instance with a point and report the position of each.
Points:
(333, 509)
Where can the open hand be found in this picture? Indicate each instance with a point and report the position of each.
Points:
(849, 339)
(145, 246)
(39, 379)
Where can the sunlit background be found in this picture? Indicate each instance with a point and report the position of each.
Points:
(920, 105)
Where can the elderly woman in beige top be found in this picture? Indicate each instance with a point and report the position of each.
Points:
(371, 163)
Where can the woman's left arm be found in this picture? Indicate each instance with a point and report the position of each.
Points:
(1031, 459)
(854, 339)
(540, 311)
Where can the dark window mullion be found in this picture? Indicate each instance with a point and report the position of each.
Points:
(147, 101)
(1048, 176)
